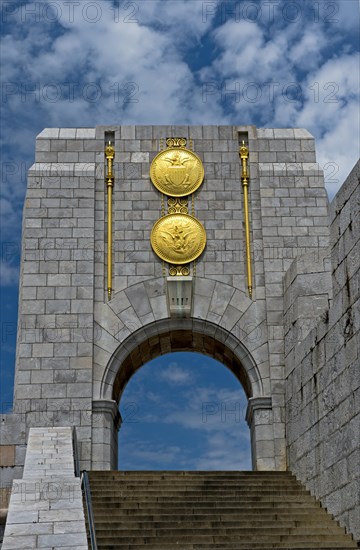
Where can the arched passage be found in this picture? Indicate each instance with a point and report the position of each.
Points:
(166, 336)
(184, 411)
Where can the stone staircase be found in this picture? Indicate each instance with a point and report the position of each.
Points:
(208, 510)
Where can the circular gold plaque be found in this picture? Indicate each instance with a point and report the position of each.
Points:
(178, 238)
(177, 172)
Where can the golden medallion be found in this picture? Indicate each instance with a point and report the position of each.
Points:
(178, 238)
(177, 172)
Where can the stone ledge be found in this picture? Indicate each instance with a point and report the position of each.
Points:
(59, 169)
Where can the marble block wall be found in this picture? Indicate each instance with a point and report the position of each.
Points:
(322, 342)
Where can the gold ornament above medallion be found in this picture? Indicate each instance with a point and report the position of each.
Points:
(178, 238)
(177, 172)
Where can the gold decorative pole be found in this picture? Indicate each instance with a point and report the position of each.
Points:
(109, 155)
(244, 155)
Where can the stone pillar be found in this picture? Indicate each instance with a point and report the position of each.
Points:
(259, 416)
(106, 423)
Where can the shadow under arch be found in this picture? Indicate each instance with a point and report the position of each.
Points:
(164, 336)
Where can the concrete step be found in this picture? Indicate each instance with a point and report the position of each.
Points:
(117, 525)
(162, 531)
(251, 491)
(133, 476)
(200, 499)
(192, 485)
(178, 474)
(286, 541)
(208, 510)
(260, 516)
(227, 546)
(155, 477)
(201, 508)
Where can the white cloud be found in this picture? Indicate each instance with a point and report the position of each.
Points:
(153, 397)
(9, 274)
(331, 113)
(7, 209)
(141, 454)
(307, 52)
(240, 43)
(325, 102)
(224, 452)
(210, 410)
(146, 61)
(337, 150)
(346, 16)
(176, 376)
(184, 19)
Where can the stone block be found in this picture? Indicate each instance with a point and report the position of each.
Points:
(58, 306)
(287, 133)
(302, 133)
(267, 157)
(277, 145)
(67, 133)
(53, 390)
(65, 349)
(7, 456)
(138, 298)
(85, 133)
(59, 280)
(265, 133)
(49, 133)
(284, 156)
(139, 157)
(127, 132)
(42, 377)
(159, 307)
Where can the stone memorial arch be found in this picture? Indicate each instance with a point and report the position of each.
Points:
(101, 294)
(142, 240)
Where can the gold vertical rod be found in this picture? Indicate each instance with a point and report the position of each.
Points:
(110, 155)
(244, 155)
(109, 247)
(161, 147)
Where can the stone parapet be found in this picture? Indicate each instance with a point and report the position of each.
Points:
(45, 507)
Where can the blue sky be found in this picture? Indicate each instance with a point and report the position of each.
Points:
(184, 411)
(272, 63)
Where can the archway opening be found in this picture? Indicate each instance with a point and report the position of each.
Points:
(184, 411)
(186, 335)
